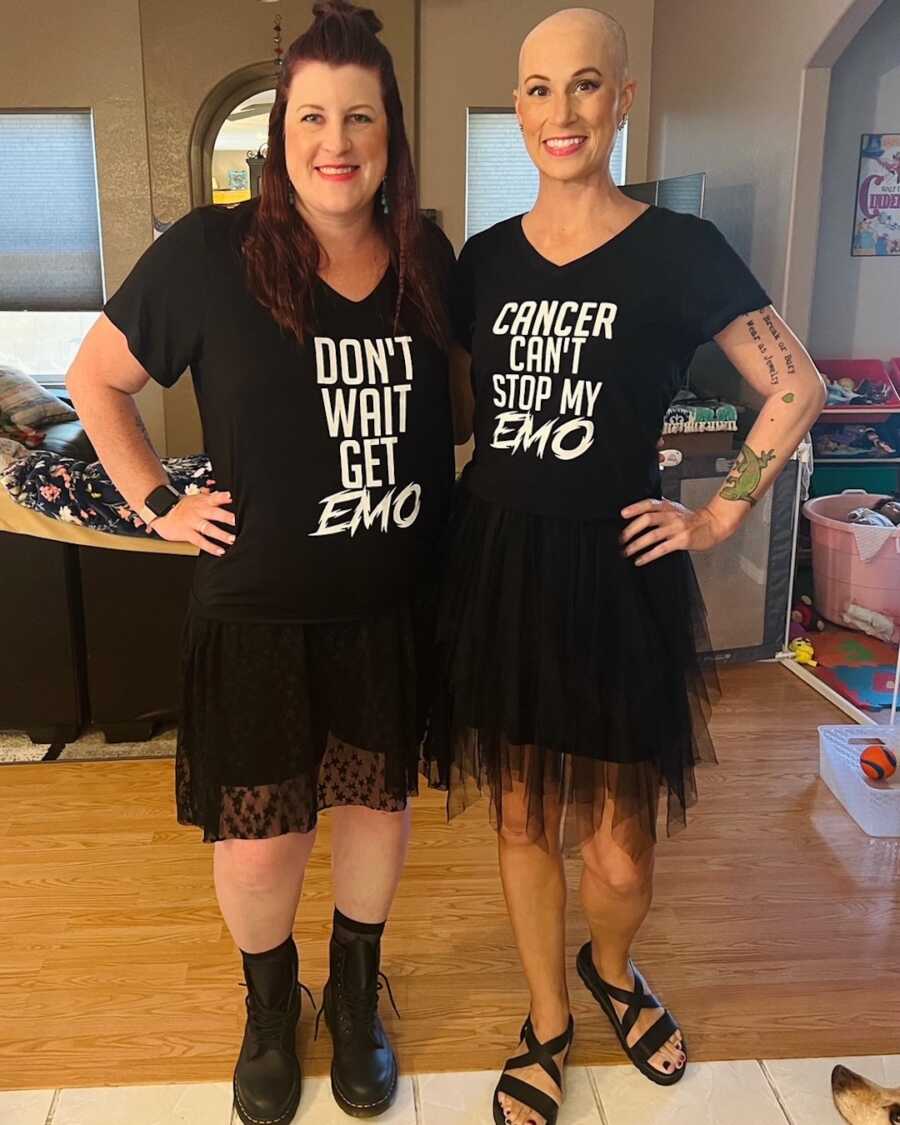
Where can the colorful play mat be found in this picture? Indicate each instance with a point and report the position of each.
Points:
(858, 667)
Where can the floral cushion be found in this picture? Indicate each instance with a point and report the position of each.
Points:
(81, 493)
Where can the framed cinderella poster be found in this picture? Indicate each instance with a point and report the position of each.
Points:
(876, 228)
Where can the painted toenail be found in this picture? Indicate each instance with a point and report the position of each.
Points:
(667, 1066)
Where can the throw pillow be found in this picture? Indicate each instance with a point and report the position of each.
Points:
(28, 404)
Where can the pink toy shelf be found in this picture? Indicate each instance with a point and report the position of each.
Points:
(875, 371)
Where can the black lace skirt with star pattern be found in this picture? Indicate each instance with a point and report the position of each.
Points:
(280, 721)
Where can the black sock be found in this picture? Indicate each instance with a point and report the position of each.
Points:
(347, 929)
(273, 973)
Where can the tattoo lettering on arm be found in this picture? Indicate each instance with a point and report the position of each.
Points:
(780, 343)
(763, 348)
(142, 429)
(745, 476)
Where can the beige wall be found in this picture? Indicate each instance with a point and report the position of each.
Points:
(855, 299)
(727, 87)
(468, 57)
(87, 56)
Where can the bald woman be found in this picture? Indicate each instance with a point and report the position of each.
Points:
(572, 627)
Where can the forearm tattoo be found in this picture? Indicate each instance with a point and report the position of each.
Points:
(745, 477)
(142, 429)
(780, 344)
(772, 347)
(763, 348)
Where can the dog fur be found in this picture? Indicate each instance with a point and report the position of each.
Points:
(861, 1102)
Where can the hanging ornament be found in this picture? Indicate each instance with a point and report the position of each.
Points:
(277, 49)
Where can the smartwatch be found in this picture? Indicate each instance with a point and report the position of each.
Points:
(160, 501)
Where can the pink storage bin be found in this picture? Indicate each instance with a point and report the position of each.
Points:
(843, 574)
(894, 371)
(876, 371)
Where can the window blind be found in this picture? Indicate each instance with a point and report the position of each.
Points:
(49, 222)
(501, 180)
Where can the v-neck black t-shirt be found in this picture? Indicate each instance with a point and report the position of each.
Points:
(574, 366)
(338, 452)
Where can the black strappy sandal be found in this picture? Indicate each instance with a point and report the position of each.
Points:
(538, 1054)
(655, 1037)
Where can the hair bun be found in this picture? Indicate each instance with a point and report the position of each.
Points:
(345, 11)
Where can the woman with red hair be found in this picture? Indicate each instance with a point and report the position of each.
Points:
(313, 321)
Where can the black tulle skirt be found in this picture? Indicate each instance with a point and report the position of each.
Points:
(573, 686)
(280, 721)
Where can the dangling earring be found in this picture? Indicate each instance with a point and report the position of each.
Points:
(384, 198)
(623, 122)
(291, 196)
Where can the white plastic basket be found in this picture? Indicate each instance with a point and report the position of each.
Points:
(874, 805)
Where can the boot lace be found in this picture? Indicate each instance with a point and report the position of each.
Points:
(358, 1010)
(267, 1024)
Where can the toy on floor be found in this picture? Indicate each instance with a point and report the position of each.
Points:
(803, 652)
(878, 763)
(804, 619)
(871, 622)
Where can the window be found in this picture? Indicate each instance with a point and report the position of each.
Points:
(501, 180)
(51, 278)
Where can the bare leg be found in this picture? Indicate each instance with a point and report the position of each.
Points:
(534, 884)
(258, 884)
(368, 851)
(616, 892)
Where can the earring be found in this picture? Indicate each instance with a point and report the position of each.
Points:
(623, 122)
(291, 196)
(384, 198)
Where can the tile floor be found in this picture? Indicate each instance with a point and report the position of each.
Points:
(795, 1092)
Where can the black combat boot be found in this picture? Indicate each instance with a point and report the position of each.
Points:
(364, 1069)
(267, 1075)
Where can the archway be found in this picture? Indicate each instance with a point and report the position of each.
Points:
(809, 159)
(221, 101)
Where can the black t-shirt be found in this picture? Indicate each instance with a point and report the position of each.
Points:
(574, 366)
(338, 453)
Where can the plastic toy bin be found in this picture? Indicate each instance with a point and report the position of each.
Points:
(852, 565)
(875, 371)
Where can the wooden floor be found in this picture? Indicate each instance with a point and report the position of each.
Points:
(776, 929)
